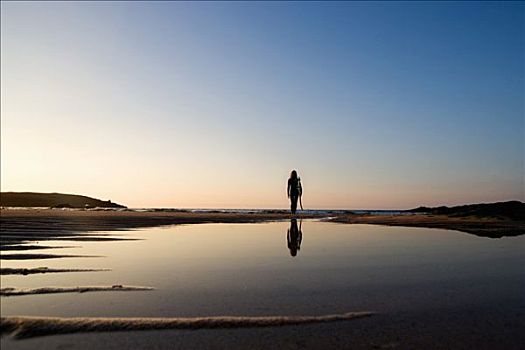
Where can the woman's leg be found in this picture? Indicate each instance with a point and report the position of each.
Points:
(293, 200)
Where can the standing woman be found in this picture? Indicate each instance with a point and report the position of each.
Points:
(295, 190)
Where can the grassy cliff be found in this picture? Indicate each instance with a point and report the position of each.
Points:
(53, 200)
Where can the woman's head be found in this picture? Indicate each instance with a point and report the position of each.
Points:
(293, 174)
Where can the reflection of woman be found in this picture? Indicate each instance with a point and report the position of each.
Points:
(294, 190)
(294, 237)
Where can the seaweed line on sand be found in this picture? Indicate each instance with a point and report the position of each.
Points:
(33, 247)
(6, 292)
(27, 327)
(43, 256)
(30, 271)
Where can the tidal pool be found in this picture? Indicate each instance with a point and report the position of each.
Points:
(273, 269)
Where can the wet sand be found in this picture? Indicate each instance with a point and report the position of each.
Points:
(20, 226)
(27, 327)
(23, 226)
(479, 226)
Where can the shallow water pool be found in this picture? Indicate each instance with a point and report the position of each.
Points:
(277, 268)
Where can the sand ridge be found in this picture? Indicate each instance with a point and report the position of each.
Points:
(27, 327)
(7, 292)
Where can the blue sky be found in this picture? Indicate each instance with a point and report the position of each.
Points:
(377, 105)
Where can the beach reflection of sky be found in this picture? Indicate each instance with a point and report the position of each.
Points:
(212, 269)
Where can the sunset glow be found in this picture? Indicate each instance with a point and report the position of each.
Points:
(212, 105)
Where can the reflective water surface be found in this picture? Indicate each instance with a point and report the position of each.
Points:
(307, 267)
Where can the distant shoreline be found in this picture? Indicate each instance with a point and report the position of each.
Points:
(25, 225)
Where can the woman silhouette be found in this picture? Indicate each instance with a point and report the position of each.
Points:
(294, 190)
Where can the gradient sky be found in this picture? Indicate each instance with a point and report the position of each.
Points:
(172, 104)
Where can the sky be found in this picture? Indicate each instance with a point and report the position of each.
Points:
(212, 104)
